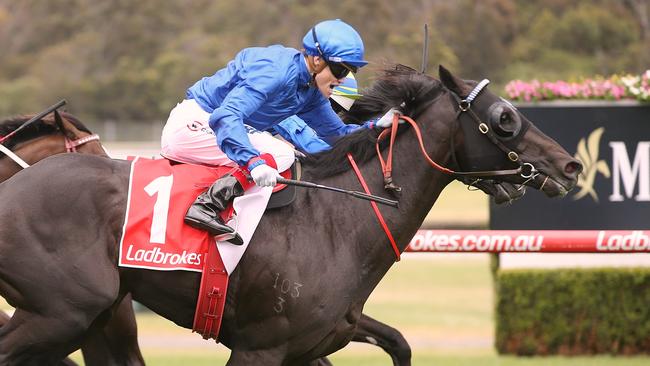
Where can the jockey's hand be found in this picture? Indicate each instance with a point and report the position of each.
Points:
(265, 176)
(386, 120)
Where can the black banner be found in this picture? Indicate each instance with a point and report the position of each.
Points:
(612, 140)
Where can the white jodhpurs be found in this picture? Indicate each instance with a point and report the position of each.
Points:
(188, 138)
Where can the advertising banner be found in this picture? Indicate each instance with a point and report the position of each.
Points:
(612, 140)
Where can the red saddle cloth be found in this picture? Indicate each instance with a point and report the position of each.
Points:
(155, 236)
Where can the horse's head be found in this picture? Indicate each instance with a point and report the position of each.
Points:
(496, 141)
(33, 141)
(78, 137)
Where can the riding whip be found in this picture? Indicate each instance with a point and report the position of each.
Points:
(49, 110)
(356, 194)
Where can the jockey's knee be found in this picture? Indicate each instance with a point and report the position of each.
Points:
(284, 156)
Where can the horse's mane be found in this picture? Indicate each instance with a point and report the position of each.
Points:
(36, 129)
(398, 86)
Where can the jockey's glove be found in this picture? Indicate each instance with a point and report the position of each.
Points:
(265, 176)
(386, 120)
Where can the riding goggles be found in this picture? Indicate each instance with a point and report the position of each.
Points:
(338, 68)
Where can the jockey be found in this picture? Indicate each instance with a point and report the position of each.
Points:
(304, 138)
(225, 118)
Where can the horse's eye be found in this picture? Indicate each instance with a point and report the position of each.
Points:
(504, 120)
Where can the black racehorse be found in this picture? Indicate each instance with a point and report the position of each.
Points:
(59, 233)
(116, 343)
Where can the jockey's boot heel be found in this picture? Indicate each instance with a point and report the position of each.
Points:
(203, 214)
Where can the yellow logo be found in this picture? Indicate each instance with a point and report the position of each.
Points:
(588, 154)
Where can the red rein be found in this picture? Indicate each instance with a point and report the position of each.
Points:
(387, 168)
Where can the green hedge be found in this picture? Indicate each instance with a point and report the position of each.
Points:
(576, 311)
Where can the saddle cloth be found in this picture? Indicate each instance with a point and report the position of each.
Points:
(160, 192)
(154, 235)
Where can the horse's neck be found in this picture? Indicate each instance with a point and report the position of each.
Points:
(421, 184)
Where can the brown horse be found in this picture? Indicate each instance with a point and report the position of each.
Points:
(60, 232)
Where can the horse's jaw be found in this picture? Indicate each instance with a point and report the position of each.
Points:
(552, 188)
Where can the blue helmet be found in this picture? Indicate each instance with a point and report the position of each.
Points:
(335, 41)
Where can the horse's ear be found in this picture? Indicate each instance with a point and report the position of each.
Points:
(453, 83)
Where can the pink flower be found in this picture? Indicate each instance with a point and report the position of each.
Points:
(615, 87)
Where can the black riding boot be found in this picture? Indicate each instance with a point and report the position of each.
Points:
(204, 212)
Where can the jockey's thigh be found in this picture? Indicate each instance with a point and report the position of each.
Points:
(282, 152)
(188, 138)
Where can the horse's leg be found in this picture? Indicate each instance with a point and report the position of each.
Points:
(51, 322)
(34, 339)
(115, 343)
(374, 332)
(4, 319)
(388, 338)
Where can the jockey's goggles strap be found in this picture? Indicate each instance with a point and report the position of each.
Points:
(382, 222)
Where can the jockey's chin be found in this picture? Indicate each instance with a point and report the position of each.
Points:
(326, 82)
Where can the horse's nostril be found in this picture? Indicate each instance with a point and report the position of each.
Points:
(573, 168)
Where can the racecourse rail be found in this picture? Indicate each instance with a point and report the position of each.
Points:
(531, 241)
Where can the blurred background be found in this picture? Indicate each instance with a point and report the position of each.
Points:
(126, 63)
(123, 64)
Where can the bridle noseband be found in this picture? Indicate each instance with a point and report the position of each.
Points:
(71, 145)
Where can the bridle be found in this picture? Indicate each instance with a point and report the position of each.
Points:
(71, 145)
(524, 170)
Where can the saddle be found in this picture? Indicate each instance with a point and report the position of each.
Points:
(283, 195)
